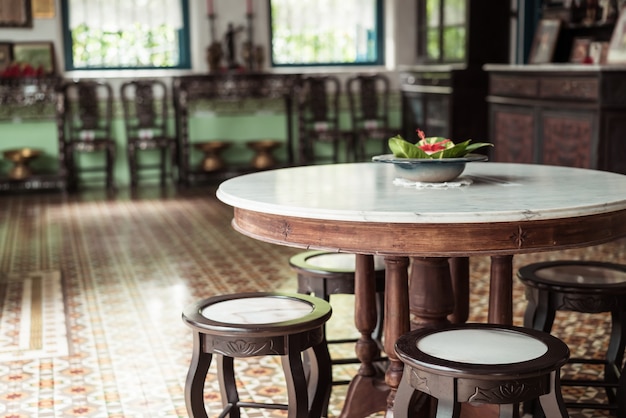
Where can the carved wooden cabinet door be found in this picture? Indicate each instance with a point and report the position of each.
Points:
(513, 134)
(568, 139)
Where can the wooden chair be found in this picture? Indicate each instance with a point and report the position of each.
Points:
(257, 324)
(318, 114)
(86, 115)
(589, 287)
(322, 274)
(481, 364)
(146, 121)
(368, 96)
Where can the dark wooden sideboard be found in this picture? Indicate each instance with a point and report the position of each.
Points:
(188, 90)
(28, 96)
(568, 115)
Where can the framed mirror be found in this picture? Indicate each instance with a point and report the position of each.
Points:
(16, 14)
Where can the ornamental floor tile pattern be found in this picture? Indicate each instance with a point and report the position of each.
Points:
(93, 287)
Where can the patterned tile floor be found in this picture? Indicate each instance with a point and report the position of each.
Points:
(92, 290)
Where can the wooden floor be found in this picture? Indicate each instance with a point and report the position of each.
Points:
(93, 287)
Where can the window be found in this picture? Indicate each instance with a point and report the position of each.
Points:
(442, 34)
(326, 32)
(125, 34)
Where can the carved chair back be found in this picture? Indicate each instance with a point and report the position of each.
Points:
(145, 108)
(318, 112)
(88, 110)
(368, 97)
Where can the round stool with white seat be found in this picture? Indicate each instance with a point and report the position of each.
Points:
(323, 273)
(259, 324)
(481, 363)
(588, 287)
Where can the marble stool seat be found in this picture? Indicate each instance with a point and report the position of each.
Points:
(481, 364)
(589, 287)
(323, 273)
(259, 324)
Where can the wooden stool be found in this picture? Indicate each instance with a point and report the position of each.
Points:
(323, 273)
(589, 287)
(481, 363)
(258, 324)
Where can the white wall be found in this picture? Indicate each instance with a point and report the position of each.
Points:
(399, 38)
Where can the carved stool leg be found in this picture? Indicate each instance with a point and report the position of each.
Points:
(320, 380)
(194, 385)
(228, 385)
(615, 352)
(552, 403)
(296, 385)
(508, 411)
(539, 314)
(402, 401)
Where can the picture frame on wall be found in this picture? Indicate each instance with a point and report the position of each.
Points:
(5, 55)
(544, 41)
(617, 45)
(580, 49)
(36, 54)
(43, 9)
(598, 52)
(16, 14)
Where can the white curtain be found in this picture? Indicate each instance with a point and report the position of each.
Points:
(114, 15)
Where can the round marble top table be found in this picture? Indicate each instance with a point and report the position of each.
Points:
(507, 209)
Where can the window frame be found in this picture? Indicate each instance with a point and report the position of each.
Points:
(424, 29)
(380, 44)
(184, 45)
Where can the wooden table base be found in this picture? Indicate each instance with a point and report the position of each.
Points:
(435, 292)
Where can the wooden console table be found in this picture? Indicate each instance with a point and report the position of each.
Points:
(38, 96)
(559, 114)
(230, 87)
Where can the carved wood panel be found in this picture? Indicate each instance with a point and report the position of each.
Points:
(612, 150)
(513, 133)
(569, 88)
(513, 86)
(567, 140)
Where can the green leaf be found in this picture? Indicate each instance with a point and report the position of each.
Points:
(404, 149)
(475, 146)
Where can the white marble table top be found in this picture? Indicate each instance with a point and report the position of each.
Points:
(364, 192)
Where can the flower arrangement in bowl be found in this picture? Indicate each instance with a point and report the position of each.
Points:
(431, 159)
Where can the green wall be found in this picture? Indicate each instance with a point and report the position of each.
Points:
(203, 125)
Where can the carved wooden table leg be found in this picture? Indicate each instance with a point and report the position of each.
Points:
(367, 392)
(501, 290)
(396, 319)
(431, 293)
(460, 273)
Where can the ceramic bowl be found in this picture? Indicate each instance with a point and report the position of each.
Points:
(429, 170)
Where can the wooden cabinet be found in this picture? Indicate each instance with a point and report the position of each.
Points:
(559, 115)
(444, 93)
(234, 88)
(38, 97)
